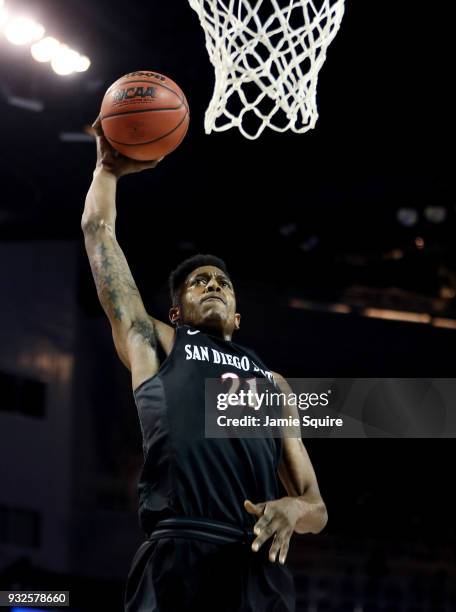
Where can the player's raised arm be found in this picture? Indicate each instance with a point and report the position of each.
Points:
(135, 333)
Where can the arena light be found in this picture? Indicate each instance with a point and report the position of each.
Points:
(407, 216)
(75, 137)
(442, 322)
(22, 30)
(435, 214)
(30, 104)
(4, 15)
(65, 61)
(82, 63)
(45, 49)
(396, 315)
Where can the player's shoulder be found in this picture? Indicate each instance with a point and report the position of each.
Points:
(281, 381)
(277, 376)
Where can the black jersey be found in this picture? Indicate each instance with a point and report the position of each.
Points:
(185, 473)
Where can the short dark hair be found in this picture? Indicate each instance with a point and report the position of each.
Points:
(178, 276)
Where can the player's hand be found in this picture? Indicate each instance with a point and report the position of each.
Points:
(113, 161)
(276, 518)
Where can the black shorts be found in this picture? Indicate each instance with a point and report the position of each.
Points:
(191, 574)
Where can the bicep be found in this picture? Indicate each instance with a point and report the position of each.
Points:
(135, 333)
(141, 351)
(142, 347)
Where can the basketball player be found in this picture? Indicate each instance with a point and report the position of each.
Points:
(207, 505)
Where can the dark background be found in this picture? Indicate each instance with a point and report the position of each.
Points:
(304, 222)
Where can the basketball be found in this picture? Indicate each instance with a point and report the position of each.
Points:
(144, 115)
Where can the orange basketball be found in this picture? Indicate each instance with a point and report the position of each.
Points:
(144, 115)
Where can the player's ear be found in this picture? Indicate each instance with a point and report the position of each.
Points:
(237, 321)
(174, 315)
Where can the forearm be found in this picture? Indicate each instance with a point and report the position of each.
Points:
(115, 285)
(313, 514)
(100, 203)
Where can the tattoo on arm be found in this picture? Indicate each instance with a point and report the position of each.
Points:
(113, 279)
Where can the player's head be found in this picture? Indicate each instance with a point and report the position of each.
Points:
(202, 295)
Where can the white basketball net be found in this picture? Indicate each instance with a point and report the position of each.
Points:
(267, 59)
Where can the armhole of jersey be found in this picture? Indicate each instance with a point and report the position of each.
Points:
(164, 363)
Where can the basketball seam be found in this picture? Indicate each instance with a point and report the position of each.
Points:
(178, 143)
(142, 110)
(137, 144)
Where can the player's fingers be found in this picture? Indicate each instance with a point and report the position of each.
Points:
(252, 508)
(274, 548)
(284, 549)
(261, 524)
(151, 164)
(96, 130)
(97, 124)
(265, 534)
(89, 129)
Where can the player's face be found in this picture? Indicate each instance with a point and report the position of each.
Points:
(208, 301)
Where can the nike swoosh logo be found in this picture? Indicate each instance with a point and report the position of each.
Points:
(192, 333)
